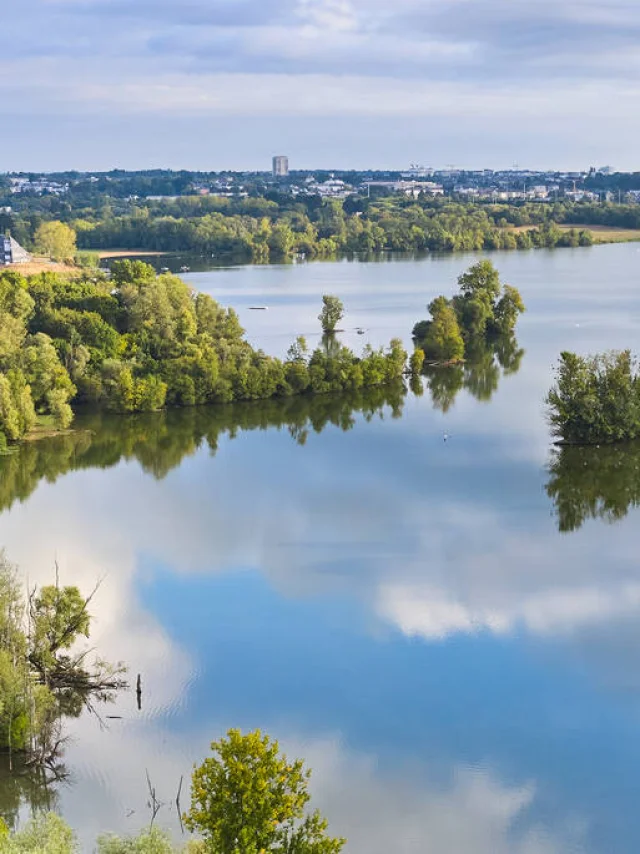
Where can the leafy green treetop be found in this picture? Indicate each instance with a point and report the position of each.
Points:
(331, 314)
(595, 400)
(482, 311)
(249, 799)
(443, 340)
(56, 240)
(481, 280)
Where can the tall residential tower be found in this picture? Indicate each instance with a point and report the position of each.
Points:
(280, 167)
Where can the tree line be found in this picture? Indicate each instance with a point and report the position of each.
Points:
(136, 342)
(330, 230)
(276, 227)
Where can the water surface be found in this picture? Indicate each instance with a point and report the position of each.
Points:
(446, 630)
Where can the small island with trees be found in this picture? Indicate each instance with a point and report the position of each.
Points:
(596, 399)
(483, 312)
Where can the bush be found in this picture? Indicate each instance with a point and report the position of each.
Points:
(44, 834)
(595, 399)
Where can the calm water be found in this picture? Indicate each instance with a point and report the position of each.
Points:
(447, 631)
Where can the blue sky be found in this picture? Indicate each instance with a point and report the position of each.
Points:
(334, 83)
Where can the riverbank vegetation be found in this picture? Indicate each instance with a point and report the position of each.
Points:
(484, 311)
(278, 227)
(595, 399)
(246, 797)
(137, 341)
(42, 677)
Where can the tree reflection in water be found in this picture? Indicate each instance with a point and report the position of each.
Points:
(594, 482)
(159, 442)
(22, 783)
(479, 374)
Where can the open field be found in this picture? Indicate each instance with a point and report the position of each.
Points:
(40, 265)
(601, 233)
(128, 253)
(606, 233)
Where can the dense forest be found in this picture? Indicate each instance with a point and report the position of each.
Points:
(277, 227)
(136, 341)
(318, 230)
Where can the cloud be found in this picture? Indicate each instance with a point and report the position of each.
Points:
(376, 809)
(460, 66)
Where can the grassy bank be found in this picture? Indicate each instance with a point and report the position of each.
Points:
(607, 234)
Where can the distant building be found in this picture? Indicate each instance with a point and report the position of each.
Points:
(416, 172)
(334, 188)
(280, 167)
(12, 253)
(409, 188)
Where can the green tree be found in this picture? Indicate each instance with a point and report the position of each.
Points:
(58, 617)
(595, 399)
(331, 314)
(416, 362)
(56, 240)
(443, 339)
(298, 351)
(481, 280)
(509, 307)
(50, 384)
(249, 799)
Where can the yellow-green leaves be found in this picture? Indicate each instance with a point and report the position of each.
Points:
(56, 240)
(248, 798)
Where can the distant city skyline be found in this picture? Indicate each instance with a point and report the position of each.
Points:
(220, 84)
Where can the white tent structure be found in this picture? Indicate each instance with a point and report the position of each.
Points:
(12, 253)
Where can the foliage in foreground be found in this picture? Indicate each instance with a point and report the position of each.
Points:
(247, 798)
(45, 834)
(596, 399)
(483, 311)
(139, 341)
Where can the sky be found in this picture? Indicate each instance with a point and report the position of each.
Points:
(226, 84)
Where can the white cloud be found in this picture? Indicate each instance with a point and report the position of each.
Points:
(329, 16)
(481, 69)
(378, 810)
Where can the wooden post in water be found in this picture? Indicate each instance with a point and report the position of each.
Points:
(139, 692)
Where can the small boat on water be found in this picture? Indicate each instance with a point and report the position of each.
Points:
(258, 308)
(164, 269)
(185, 269)
(360, 331)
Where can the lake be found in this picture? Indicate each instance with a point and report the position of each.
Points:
(447, 630)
